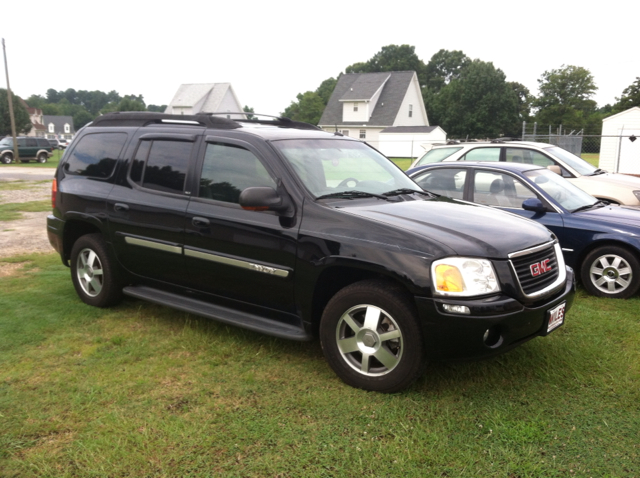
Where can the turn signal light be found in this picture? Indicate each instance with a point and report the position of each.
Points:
(448, 278)
(54, 193)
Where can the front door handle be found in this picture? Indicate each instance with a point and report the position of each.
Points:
(200, 222)
(120, 207)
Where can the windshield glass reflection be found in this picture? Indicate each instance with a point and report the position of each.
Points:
(566, 194)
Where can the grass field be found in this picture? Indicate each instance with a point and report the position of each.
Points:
(144, 391)
(51, 163)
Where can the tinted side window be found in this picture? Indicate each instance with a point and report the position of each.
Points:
(96, 154)
(161, 165)
(31, 142)
(43, 143)
(228, 170)
(447, 182)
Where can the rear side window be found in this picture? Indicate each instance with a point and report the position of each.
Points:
(483, 154)
(161, 165)
(437, 155)
(96, 154)
(43, 143)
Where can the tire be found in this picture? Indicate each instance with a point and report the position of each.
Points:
(94, 273)
(366, 324)
(6, 158)
(611, 271)
(42, 158)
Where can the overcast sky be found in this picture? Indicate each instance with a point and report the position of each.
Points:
(272, 50)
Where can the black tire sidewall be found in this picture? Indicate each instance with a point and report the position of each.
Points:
(393, 302)
(585, 274)
(111, 292)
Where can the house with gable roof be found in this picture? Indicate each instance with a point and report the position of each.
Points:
(384, 109)
(191, 99)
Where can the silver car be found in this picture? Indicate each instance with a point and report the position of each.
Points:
(611, 187)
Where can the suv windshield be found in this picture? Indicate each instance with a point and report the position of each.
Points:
(329, 166)
(437, 155)
(573, 161)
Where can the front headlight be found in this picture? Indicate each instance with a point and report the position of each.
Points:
(463, 277)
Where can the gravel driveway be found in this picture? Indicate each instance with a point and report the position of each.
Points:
(29, 234)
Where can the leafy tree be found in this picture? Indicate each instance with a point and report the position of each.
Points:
(479, 103)
(248, 109)
(308, 108)
(524, 100)
(392, 58)
(630, 97)
(443, 67)
(157, 108)
(20, 115)
(565, 96)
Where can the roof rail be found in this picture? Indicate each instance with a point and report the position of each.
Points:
(145, 118)
(280, 121)
(212, 120)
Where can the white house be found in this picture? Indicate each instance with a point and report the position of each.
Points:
(377, 108)
(618, 153)
(196, 98)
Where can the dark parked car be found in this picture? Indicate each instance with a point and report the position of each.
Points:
(28, 149)
(599, 240)
(284, 229)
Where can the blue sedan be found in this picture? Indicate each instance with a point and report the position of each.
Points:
(600, 241)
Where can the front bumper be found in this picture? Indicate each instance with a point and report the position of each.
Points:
(496, 324)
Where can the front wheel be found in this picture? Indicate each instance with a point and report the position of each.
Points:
(611, 271)
(94, 273)
(42, 158)
(6, 158)
(371, 337)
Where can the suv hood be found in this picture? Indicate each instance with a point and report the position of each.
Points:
(467, 229)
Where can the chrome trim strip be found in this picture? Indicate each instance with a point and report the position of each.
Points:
(153, 245)
(568, 250)
(562, 271)
(208, 256)
(531, 250)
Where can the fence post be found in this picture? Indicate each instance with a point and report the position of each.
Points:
(524, 129)
(535, 129)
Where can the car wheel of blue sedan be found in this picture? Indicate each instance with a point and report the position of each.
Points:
(611, 271)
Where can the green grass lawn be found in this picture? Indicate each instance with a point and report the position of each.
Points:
(591, 158)
(51, 163)
(145, 391)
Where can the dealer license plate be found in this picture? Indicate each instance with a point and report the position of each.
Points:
(556, 317)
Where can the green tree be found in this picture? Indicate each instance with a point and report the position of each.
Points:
(565, 97)
(392, 58)
(20, 114)
(443, 67)
(308, 108)
(630, 97)
(248, 109)
(157, 108)
(479, 103)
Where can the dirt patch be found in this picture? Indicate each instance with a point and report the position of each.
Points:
(27, 235)
(9, 268)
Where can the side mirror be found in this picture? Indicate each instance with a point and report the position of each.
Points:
(266, 199)
(533, 204)
(555, 169)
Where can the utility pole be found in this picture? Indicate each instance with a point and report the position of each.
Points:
(16, 154)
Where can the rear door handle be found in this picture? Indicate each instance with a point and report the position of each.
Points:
(120, 207)
(200, 221)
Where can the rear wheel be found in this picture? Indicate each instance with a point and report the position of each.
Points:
(371, 337)
(611, 271)
(42, 158)
(94, 273)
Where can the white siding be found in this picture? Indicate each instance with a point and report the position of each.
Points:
(412, 97)
(409, 145)
(615, 154)
(362, 114)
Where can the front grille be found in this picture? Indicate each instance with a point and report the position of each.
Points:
(526, 265)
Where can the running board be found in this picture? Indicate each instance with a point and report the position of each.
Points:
(218, 313)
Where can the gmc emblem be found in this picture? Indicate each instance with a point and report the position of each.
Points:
(540, 267)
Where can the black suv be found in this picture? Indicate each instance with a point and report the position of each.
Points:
(281, 228)
(28, 148)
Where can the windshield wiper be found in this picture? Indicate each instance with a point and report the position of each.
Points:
(352, 195)
(598, 171)
(589, 206)
(397, 192)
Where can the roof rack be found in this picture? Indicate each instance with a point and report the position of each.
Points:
(212, 120)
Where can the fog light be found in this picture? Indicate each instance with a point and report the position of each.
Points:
(492, 337)
(456, 309)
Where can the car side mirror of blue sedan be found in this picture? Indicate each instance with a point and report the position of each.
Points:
(533, 204)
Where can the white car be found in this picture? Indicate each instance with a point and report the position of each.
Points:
(611, 187)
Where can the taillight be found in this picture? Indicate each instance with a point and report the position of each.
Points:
(54, 193)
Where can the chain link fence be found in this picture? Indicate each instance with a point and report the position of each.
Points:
(615, 153)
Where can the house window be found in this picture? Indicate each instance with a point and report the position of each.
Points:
(363, 134)
(410, 111)
(67, 129)
(52, 128)
(345, 132)
(355, 107)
